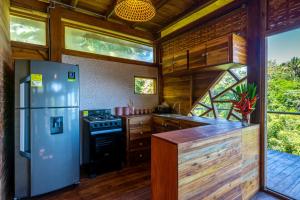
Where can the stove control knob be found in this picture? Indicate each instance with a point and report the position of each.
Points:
(141, 155)
(141, 133)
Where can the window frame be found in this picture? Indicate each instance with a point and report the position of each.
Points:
(40, 17)
(88, 28)
(146, 77)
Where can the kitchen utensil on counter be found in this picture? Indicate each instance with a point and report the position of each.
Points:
(126, 111)
(119, 111)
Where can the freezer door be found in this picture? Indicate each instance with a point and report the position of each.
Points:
(54, 149)
(54, 84)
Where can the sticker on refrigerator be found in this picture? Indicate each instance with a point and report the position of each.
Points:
(36, 80)
(71, 76)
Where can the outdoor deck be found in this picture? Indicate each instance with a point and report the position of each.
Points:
(283, 173)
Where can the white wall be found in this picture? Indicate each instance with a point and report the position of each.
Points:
(106, 84)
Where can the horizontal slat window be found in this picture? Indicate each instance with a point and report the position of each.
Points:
(27, 30)
(90, 42)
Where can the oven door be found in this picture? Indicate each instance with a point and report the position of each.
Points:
(107, 147)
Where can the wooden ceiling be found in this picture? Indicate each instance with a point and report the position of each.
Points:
(168, 11)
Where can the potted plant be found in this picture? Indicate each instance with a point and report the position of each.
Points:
(244, 101)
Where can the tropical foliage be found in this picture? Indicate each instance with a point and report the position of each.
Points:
(284, 96)
(245, 99)
(27, 30)
(144, 85)
(86, 41)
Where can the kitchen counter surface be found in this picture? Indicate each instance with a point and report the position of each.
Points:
(208, 128)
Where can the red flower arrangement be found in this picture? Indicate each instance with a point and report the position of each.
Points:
(245, 100)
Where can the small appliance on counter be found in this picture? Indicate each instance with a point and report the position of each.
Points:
(164, 108)
(103, 142)
(47, 140)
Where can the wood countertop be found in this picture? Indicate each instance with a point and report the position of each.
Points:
(208, 128)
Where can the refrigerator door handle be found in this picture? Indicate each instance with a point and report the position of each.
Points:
(25, 118)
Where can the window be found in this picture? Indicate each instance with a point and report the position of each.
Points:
(283, 114)
(144, 85)
(27, 30)
(90, 42)
(221, 99)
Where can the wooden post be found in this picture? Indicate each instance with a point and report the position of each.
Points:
(256, 57)
(56, 39)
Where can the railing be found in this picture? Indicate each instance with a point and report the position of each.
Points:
(284, 131)
(284, 113)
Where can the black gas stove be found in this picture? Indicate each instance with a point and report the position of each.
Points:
(103, 141)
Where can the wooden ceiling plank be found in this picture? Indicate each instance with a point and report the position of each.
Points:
(198, 4)
(74, 3)
(157, 6)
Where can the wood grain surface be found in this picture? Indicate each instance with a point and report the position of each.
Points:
(212, 163)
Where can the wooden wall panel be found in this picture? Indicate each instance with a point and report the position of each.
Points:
(31, 54)
(212, 169)
(234, 22)
(193, 87)
(282, 15)
(186, 90)
(250, 164)
(6, 104)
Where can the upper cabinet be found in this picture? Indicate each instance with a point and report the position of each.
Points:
(217, 54)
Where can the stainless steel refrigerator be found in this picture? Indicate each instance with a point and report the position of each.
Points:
(47, 155)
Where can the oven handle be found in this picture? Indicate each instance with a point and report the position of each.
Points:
(106, 131)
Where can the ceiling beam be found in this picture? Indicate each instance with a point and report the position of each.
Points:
(74, 3)
(111, 9)
(234, 6)
(160, 4)
(198, 5)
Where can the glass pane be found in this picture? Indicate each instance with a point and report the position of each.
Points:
(283, 118)
(199, 110)
(144, 85)
(27, 30)
(223, 109)
(226, 81)
(90, 42)
(241, 72)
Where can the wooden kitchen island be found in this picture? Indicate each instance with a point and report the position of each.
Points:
(215, 161)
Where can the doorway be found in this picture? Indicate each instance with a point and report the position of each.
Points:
(283, 114)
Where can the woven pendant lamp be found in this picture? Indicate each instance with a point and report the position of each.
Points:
(135, 10)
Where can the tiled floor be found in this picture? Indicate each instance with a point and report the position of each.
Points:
(283, 173)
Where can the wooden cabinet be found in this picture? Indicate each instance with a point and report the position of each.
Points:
(226, 50)
(161, 124)
(138, 138)
(197, 56)
(167, 64)
(176, 62)
(180, 61)
(218, 54)
(217, 51)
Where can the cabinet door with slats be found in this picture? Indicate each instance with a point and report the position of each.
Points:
(180, 61)
(217, 51)
(167, 64)
(197, 57)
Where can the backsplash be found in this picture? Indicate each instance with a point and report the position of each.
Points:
(106, 84)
